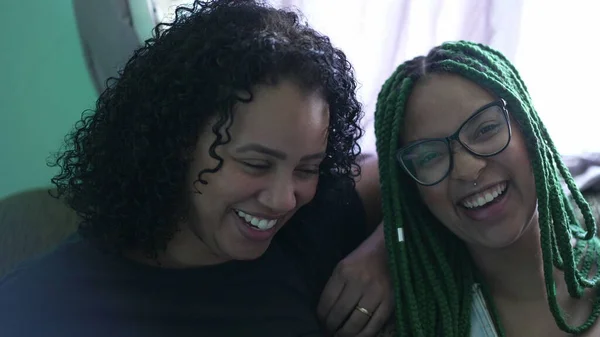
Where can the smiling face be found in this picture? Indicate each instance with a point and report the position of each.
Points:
(496, 211)
(270, 169)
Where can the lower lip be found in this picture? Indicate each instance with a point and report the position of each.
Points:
(253, 234)
(495, 211)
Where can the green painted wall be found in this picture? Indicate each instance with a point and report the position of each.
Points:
(143, 22)
(44, 88)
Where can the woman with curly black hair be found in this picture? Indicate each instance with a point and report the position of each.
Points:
(215, 182)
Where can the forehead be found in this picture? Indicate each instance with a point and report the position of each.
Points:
(282, 115)
(439, 104)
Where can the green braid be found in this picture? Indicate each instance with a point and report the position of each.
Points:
(432, 270)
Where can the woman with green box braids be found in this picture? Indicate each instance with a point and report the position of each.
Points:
(482, 239)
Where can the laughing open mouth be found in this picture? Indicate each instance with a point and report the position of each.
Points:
(256, 222)
(484, 197)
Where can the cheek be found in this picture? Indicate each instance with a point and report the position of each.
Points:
(227, 186)
(524, 176)
(238, 186)
(515, 160)
(437, 200)
(305, 191)
(517, 150)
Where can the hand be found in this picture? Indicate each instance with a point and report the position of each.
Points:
(360, 280)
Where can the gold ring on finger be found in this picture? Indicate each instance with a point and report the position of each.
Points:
(364, 311)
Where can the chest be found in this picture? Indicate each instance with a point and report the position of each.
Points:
(532, 319)
(549, 329)
(541, 323)
(267, 298)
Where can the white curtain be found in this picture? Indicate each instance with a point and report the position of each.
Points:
(379, 35)
(551, 43)
(557, 56)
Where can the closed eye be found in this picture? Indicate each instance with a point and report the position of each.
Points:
(308, 171)
(256, 166)
(427, 158)
(488, 128)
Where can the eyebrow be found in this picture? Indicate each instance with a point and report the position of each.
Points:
(253, 147)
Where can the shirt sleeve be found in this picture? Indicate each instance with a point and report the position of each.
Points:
(321, 238)
(348, 224)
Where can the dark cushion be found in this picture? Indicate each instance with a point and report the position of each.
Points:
(31, 223)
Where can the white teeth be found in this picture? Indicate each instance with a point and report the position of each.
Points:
(258, 223)
(484, 197)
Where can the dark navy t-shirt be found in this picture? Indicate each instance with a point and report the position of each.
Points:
(78, 291)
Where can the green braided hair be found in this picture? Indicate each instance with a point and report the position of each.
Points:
(432, 270)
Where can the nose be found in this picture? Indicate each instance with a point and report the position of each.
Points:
(467, 167)
(280, 195)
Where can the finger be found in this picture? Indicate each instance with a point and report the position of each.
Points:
(379, 319)
(332, 291)
(358, 319)
(343, 307)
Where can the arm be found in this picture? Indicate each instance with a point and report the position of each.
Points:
(362, 278)
(369, 191)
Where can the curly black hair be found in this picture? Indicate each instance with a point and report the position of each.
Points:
(124, 166)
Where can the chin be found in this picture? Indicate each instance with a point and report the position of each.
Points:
(248, 254)
(501, 235)
(499, 239)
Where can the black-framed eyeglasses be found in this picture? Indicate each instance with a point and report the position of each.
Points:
(486, 133)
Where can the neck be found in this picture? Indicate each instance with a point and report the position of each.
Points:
(187, 250)
(184, 250)
(516, 272)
